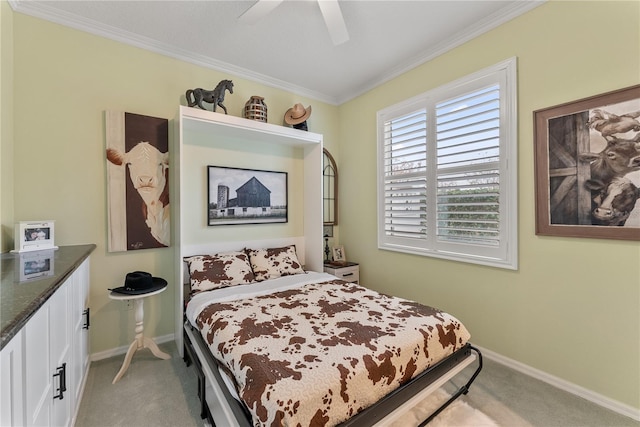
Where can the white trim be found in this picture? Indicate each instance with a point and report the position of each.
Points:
(43, 11)
(122, 350)
(51, 14)
(481, 27)
(504, 75)
(591, 396)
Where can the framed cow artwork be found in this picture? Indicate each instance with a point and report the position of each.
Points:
(587, 167)
(137, 159)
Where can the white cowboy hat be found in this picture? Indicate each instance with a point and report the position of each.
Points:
(297, 114)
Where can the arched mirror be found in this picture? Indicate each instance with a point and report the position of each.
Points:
(329, 189)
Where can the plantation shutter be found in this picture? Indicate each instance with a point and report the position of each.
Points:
(468, 168)
(404, 159)
(447, 175)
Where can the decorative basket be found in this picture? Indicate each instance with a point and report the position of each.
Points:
(256, 109)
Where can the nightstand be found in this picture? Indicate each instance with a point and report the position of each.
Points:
(349, 271)
(140, 340)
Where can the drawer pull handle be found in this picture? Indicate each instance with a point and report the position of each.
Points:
(62, 373)
(87, 322)
(347, 274)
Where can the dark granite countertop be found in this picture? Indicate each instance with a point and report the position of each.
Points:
(29, 279)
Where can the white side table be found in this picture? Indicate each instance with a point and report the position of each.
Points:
(140, 340)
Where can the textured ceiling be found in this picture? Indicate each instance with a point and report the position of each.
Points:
(290, 48)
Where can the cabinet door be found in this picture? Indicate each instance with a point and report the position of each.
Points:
(38, 375)
(47, 356)
(11, 382)
(60, 330)
(81, 323)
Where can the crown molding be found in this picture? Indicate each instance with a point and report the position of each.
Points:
(43, 11)
(481, 27)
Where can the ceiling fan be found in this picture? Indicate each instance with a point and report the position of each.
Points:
(330, 10)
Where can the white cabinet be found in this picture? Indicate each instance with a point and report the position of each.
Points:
(206, 138)
(47, 360)
(61, 360)
(11, 410)
(81, 322)
(38, 382)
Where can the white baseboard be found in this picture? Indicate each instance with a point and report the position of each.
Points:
(122, 350)
(81, 394)
(591, 396)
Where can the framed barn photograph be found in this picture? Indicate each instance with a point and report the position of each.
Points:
(246, 196)
(587, 167)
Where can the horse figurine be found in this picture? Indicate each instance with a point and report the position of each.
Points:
(215, 96)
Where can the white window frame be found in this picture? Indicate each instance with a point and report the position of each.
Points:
(505, 255)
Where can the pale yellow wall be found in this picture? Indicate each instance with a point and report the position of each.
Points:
(573, 307)
(571, 310)
(64, 81)
(6, 127)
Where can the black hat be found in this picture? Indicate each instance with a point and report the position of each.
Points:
(140, 282)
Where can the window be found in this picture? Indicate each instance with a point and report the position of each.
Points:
(447, 175)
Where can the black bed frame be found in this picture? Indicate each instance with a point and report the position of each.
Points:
(367, 417)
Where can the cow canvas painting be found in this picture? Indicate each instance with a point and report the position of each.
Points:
(588, 167)
(137, 159)
(246, 196)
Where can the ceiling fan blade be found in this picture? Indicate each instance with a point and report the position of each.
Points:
(260, 9)
(333, 19)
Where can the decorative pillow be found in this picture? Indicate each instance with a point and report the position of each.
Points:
(274, 262)
(221, 270)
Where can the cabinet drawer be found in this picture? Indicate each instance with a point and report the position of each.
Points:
(350, 274)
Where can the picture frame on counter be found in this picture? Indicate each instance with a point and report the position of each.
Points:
(35, 265)
(34, 236)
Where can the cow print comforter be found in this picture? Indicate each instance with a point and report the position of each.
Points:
(318, 354)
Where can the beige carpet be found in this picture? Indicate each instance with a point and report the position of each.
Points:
(157, 392)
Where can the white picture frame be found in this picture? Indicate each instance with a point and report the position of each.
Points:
(34, 236)
(339, 255)
(35, 265)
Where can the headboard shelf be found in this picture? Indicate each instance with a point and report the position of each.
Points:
(225, 126)
(204, 137)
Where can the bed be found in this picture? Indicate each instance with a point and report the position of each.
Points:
(274, 344)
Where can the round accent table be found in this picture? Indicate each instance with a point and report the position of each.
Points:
(140, 340)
